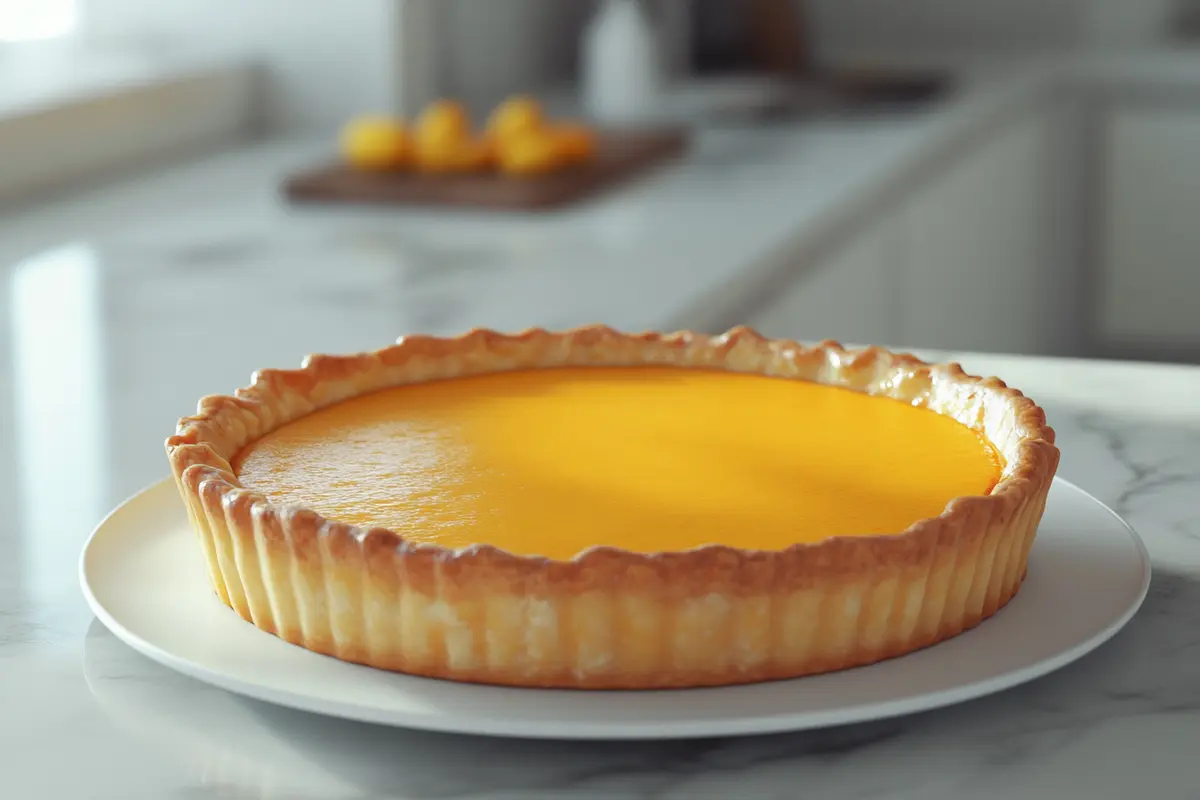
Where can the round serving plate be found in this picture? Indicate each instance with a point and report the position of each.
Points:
(144, 577)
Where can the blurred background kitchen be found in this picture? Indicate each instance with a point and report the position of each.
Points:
(1018, 177)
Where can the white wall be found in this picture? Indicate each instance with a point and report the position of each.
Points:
(508, 45)
(855, 26)
(326, 59)
(502, 46)
(865, 25)
(330, 59)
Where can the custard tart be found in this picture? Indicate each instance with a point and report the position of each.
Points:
(595, 509)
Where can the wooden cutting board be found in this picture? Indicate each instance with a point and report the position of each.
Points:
(619, 157)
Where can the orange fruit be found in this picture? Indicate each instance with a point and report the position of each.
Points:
(375, 143)
(576, 141)
(442, 123)
(469, 155)
(444, 142)
(514, 117)
(532, 153)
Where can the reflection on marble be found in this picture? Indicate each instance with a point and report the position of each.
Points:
(86, 716)
(58, 403)
(128, 728)
(184, 283)
(1071, 734)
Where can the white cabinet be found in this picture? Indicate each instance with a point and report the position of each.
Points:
(984, 255)
(978, 254)
(1150, 229)
(850, 294)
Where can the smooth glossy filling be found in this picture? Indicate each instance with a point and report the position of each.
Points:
(551, 462)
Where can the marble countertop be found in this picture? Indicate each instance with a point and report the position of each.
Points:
(675, 249)
(103, 298)
(85, 716)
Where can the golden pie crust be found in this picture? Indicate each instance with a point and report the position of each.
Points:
(611, 618)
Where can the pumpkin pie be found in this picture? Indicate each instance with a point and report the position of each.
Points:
(595, 509)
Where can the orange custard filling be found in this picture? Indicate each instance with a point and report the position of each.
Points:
(552, 462)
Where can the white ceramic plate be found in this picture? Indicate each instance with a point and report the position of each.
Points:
(143, 576)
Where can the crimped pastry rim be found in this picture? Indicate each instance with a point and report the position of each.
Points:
(1036, 463)
(611, 618)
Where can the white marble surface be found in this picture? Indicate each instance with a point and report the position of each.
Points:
(84, 716)
(91, 336)
(691, 238)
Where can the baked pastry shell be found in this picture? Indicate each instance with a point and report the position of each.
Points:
(611, 618)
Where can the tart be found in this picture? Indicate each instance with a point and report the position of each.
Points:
(594, 509)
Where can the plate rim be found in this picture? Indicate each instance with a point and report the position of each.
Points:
(679, 730)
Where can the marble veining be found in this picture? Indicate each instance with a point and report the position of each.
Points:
(82, 715)
(77, 691)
